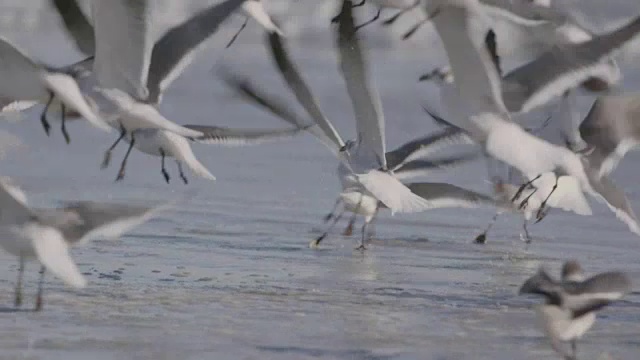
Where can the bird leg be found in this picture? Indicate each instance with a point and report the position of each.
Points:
(43, 116)
(107, 154)
(574, 349)
(317, 241)
(541, 213)
(164, 170)
(526, 238)
(367, 235)
(182, 176)
(349, 230)
(525, 202)
(523, 187)
(40, 290)
(395, 17)
(126, 157)
(374, 18)
(333, 210)
(63, 117)
(18, 295)
(233, 39)
(335, 19)
(415, 28)
(482, 238)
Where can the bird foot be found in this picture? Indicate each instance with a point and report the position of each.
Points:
(120, 176)
(541, 213)
(361, 247)
(184, 179)
(480, 239)
(165, 174)
(526, 238)
(316, 242)
(349, 230)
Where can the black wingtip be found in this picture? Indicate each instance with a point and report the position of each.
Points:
(492, 46)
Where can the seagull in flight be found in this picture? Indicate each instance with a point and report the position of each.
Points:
(47, 234)
(571, 303)
(477, 103)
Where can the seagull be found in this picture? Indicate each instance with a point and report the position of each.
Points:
(255, 10)
(131, 72)
(610, 130)
(477, 103)
(565, 193)
(366, 171)
(28, 83)
(47, 234)
(572, 302)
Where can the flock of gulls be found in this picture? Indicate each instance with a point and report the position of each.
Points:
(126, 71)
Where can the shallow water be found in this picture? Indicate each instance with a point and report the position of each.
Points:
(229, 275)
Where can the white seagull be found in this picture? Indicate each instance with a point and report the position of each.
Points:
(477, 102)
(571, 303)
(132, 72)
(47, 234)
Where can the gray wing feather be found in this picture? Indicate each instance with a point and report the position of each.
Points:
(226, 136)
(274, 105)
(451, 195)
(562, 68)
(89, 219)
(437, 164)
(171, 53)
(398, 156)
(300, 89)
(77, 25)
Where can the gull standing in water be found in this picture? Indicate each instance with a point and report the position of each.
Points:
(571, 303)
(47, 234)
(478, 103)
(367, 177)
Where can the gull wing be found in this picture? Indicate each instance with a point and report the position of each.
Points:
(77, 25)
(562, 68)
(422, 167)
(524, 13)
(13, 205)
(239, 137)
(53, 252)
(21, 77)
(595, 292)
(176, 48)
(425, 145)
(91, 220)
(124, 40)
(363, 94)
(300, 89)
(441, 195)
(464, 27)
(255, 10)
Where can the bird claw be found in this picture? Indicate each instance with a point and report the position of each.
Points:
(523, 204)
(361, 247)
(166, 175)
(328, 217)
(120, 176)
(541, 214)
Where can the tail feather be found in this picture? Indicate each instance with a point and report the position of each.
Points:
(187, 156)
